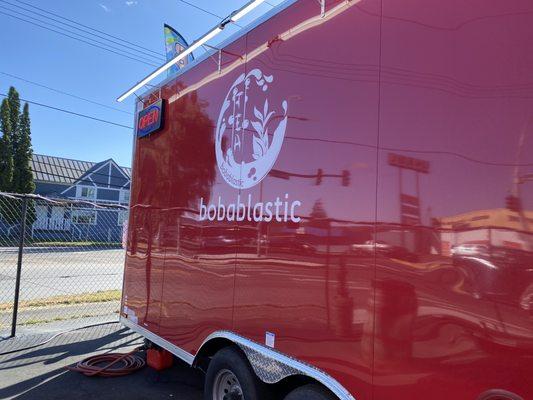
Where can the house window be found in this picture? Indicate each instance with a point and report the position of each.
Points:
(125, 196)
(86, 217)
(122, 216)
(87, 192)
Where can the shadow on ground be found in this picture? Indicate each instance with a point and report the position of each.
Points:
(40, 373)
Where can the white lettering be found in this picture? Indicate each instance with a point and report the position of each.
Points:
(239, 207)
(278, 203)
(231, 217)
(214, 208)
(221, 211)
(268, 211)
(203, 210)
(278, 210)
(295, 204)
(258, 217)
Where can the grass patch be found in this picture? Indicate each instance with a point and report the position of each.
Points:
(57, 319)
(65, 300)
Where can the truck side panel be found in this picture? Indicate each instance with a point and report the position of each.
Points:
(199, 255)
(300, 282)
(453, 309)
(143, 276)
(387, 239)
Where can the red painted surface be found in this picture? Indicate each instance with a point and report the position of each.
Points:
(400, 281)
(159, 359)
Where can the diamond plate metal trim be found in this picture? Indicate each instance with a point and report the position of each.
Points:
(267, 369)
(271, 366)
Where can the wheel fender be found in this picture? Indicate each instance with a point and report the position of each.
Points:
(271, 366)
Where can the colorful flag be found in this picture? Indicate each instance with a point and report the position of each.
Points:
(175, 44)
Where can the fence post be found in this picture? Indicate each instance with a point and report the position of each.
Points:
(19, 265)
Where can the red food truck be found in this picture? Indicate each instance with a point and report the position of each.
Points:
(337, 203)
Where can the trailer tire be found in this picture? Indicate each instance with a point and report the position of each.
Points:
(230, 372)
(310, 392)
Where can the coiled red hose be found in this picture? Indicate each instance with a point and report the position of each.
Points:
(100, 365)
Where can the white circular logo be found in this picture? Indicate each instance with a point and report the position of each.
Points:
(248, 136)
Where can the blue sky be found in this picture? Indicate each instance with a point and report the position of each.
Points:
(36, 54)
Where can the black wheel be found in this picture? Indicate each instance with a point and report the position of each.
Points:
(310, 392)
(231, 377)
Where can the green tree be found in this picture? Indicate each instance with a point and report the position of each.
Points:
(14, 116)
(15, 157)
(6, 163)
(22, 175)
(6, 150)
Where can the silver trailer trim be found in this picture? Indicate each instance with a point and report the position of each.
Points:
(270, 365)
(165, 344)
(212, 51)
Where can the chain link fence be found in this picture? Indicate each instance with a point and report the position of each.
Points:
(61, 263)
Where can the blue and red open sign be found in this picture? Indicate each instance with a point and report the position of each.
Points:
(150, 119)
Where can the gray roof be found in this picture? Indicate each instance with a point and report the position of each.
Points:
(62, 170)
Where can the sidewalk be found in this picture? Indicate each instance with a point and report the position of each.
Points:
(40, 373)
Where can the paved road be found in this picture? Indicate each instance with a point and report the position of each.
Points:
(48, 272)
(40, 373)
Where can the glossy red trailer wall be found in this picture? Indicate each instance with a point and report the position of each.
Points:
(456, 90)
(408, 130)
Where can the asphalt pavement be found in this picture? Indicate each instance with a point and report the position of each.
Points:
(59, 271)
(40, 373)
(50, 272)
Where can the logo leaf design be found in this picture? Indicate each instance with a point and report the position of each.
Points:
(259, 149)
(258, 127)
(265, 139)
(265, 108)
(258, 115)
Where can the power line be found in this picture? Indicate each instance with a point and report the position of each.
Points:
(77, 27)
(201, 9)
(88, 27)
(65, 93)
(80, 40)
(63, 30)
(72, 112)
(206, 11)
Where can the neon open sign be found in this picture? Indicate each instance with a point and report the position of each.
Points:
(150, 119)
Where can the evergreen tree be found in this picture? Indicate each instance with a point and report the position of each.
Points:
(6, 163)
(14, 116)
(15, 157)
(22, 176)
(6, 151)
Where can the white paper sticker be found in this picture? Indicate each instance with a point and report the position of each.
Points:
(270, 339)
